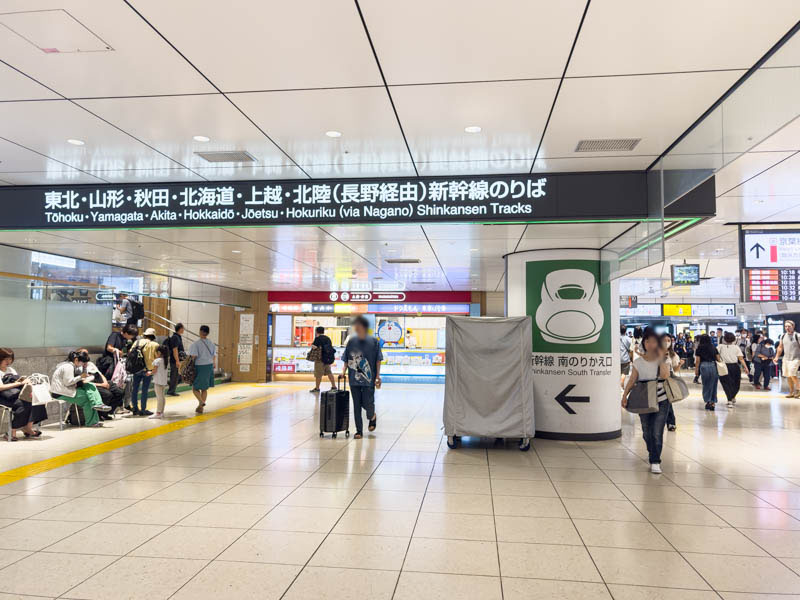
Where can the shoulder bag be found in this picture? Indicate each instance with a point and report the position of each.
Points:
(722, 368)
(314, 354)
(643, 398)
(676, 388)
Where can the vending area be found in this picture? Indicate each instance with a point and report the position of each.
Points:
(410, 327)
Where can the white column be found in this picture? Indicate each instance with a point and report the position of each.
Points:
(576, 367)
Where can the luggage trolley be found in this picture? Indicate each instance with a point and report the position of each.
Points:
(489, 381)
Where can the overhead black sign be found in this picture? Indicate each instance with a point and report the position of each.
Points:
(484, 199)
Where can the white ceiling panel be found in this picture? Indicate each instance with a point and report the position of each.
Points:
(656, 108)
(475, 167)
(243, 45)
(424, 41)
(575, 231)
(49, 178)
(102, 236)
(593, 163)
(169, 123)
(476, 232)
(139, 61)
(16, 86)
(241, 172)
(781, 180)
(298, 120)
(389, 233)
(147, 175)
(189, 236)
(787, 138)
(356, 170)
(750, 209)
(630, 36)
(281, 233)
(16, 158)
(511, 116)
(46, 126)
(744, 167)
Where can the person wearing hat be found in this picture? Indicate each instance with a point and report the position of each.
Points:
(148, 346)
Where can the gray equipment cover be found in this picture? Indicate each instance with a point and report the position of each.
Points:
(489, 381)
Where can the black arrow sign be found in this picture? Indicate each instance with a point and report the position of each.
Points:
(758, 248)
(562, 399)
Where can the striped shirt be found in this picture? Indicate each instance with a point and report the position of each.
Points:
(648, 371)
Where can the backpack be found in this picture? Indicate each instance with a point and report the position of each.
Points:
(75, 416)
(137, 309)
(328, 354)
(135, 363)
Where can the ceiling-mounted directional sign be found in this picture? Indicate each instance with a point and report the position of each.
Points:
(475, 199)
(563, 398)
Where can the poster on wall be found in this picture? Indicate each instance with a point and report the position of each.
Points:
(244, 354)
(246, 328)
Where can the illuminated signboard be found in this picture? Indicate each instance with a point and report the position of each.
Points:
(422, 308)
(490, 198)
(771, 285)
(677, 310)
(642, 310)
(771, 248)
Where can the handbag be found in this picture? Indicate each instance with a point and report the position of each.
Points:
(314, 354)
(40, 389)
(722, 368)
(676, 388)
(120, 374)
(643, 398)
(188, 370)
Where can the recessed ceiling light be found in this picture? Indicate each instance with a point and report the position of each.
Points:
(473, 249)
(472, 129)
(236, 251)
(75, 142)
(201, 138)
(333, 133)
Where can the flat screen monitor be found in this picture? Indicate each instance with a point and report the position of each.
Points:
(685, 274)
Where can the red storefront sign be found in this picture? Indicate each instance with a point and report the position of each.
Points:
(394, 297)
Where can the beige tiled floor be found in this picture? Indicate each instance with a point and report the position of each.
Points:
(254, 504)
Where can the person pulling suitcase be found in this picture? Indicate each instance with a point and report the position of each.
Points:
(362, 362)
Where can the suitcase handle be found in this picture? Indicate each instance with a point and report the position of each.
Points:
(344, 385)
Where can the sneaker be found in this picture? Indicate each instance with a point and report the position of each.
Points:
(145, 413)
(158, 415)
(173, 394)
(102, 408)
(671, 427)
(98, 424)
(756, 387)
(730, 404)
(314, 391)
(655, 468)
(796, 394)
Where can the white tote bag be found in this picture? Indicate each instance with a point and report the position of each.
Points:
(40, 389)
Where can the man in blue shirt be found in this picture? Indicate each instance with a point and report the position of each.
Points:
(362, 361)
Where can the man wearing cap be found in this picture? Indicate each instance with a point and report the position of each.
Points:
(148, 346)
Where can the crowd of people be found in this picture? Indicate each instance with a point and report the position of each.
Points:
(719, 357)
(118, 384)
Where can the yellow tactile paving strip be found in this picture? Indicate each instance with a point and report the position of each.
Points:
(77, 455)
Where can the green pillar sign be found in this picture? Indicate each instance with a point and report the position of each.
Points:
(575, 358)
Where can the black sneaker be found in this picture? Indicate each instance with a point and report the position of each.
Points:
(671, 427)
(145, 413)
(173, 394)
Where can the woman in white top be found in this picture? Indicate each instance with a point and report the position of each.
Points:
(72, 382)
(11, 396)
(731, 355)
(650, 367)
(675, 363)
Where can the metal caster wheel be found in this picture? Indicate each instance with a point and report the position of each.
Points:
(347, 434)
(524, 444)
(333, 435)
(321, 434)
(452, 442)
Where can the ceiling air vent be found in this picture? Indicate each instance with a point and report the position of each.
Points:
(228, 156)
(607, 145)
(199, 262)
(403, 261)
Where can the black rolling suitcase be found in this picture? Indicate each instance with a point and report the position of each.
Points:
(334, 410)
